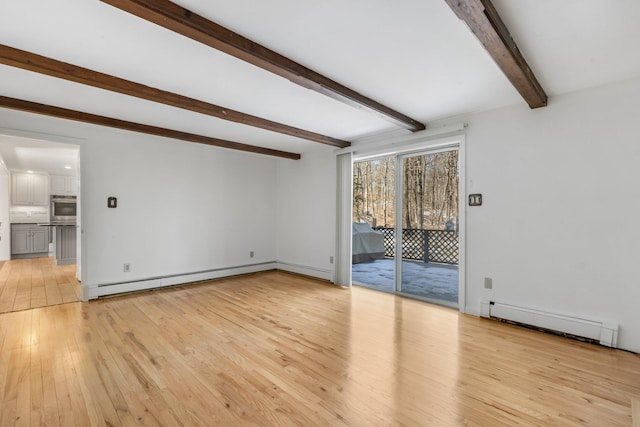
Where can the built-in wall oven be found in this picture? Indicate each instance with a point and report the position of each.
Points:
(63, 209)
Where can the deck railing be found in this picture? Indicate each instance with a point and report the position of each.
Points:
(437, 246)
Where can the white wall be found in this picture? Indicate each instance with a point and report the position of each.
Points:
(307, 213)
(558, 229)
(5, 226)
(182, 207)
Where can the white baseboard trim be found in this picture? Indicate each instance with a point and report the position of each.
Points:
(306, 270)
(95, 291)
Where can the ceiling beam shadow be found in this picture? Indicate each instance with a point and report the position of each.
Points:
(51, 67)
(182, 21)
(484, 21)
(78, 116)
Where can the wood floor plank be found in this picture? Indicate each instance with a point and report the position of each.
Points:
(15, 399)
(36, 397)
(100, 408)
(81, 409)
(37, 282)
(50, 415)
(275, 349)
(52, 292)
(23, 293)
(67, 292)
(9, 292)
(38, 292)
(635, 411)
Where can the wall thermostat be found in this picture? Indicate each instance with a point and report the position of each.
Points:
(112, 202)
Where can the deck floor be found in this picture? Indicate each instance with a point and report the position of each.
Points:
(432, 281)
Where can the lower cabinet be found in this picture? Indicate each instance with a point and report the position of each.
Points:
(29, 239)
(65, 245)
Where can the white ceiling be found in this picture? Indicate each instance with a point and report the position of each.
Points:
(412, 55)
(25, 154)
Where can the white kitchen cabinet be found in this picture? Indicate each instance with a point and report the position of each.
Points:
(29, 239)
(62, 185)
(29, 189)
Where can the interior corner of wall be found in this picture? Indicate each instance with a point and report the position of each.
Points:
(306, 270)
(473, 311)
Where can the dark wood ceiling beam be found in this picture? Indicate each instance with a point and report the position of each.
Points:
(78, 116)
(51, 67)
(484, 21)
(176, 18)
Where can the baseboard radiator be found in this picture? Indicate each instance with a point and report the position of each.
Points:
(603, 333)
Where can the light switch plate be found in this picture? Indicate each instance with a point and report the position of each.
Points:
(475, 199)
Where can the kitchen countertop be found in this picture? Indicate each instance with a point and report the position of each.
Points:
(29, 221)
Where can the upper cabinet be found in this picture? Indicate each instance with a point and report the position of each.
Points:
(29, 189)
(64, 185)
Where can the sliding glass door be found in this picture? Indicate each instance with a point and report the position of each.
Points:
(405, 225)
(405, 231)
(428, 246)
(374, 213)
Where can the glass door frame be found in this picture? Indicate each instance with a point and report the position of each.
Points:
(398, 249)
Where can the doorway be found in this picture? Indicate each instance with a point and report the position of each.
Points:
(406, 209)
(38, 238)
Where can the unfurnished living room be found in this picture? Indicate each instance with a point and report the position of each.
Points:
(355, 213)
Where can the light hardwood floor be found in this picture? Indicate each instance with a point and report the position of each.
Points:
(278, 349)
(36, 282)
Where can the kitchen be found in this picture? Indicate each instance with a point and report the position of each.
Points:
(38, 208)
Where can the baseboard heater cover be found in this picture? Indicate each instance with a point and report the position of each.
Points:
(604, 333)
(96, 291)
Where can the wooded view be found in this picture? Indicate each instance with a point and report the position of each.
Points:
(430, 191)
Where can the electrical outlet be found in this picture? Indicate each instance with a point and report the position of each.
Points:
(488, 283)
(330, 260)
(251, 254)
(126, 267)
